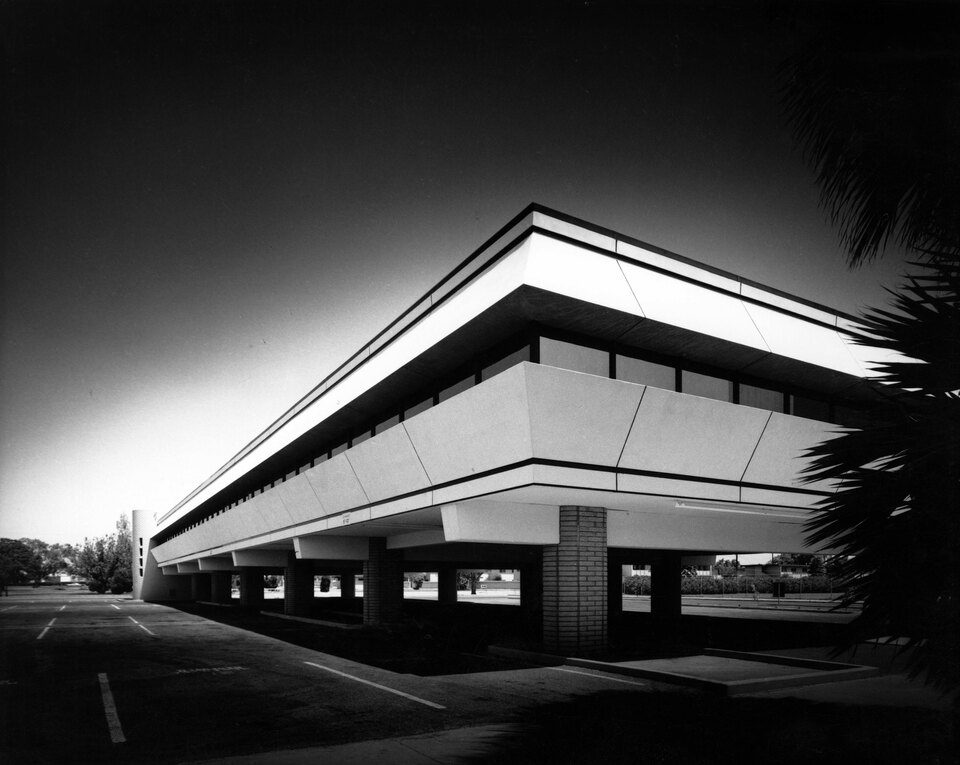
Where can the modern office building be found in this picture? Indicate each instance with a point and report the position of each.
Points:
(566, 401)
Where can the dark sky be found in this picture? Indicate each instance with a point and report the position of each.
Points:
(209, 205)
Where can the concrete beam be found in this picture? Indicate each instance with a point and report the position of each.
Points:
(331, 548)
(169, 570)
(263, 558)
(217, 564)
(190, 567)
(501, 522)
(416, 539)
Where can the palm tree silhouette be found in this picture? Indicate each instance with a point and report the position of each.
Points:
(874, 101)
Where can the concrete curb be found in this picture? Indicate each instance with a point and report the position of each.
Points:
(307, 620)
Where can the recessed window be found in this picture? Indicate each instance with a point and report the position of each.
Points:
(510, 360)
(458, 387)
(706, 386)
(414, 410)
(387, 424)
(646, 373)
(811, 408)
(579, 358)
(338, 449)
(361, 438)
(761, 398)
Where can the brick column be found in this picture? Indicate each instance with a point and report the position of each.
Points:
(200, 586)
(575, 583)
(297, 586)
(220, 586)
(348, 585)
(382, 583)
(251, 587)
(447, 585)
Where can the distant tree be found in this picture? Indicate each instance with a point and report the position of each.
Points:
(46, 559)
(106, 562)
(16, 561)
(728, 567)
(815, 567)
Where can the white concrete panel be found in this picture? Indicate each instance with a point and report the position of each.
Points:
(244, 521)
(300, 499)
(779, 457)
(793, 338)
(781, 301)
(336, 485)
(675, 266)
(191, 567)
(416, 539)
(387, 465)
(645, 484)
(216, 564)
(578, 417)
(264, 558)
(480, 429)
(579, 273)
(331, 548)
(272, 510)
(573, 231)
(501, 522)
(687, 435)
(681, 304)
(709, 533)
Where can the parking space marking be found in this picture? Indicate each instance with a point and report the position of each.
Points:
(599, 677)
(113, 606)
(141, 626)
(8, 608)
(110, 710)
(40, 636)
(62, 607)
(377, 685)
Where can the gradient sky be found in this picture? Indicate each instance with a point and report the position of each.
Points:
(209, 205)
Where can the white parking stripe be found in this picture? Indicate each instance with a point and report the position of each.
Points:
(40, 636)
(140, 626)
(599, 677)
(110, 710)
(62, 607)
(113, 606)
(8, 608)
(376, 685)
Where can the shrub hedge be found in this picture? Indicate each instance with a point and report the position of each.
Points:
(705, 585)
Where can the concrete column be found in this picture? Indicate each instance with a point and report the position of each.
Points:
(220, 586)
(382, 583)
(200, 586)
(665, 588)
(251, 587)
(348, 585)
(575, 583)
(447, 585)
(614, 591)
(531, 596)
(298, 586)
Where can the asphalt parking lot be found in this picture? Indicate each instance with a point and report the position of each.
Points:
(91, 679)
